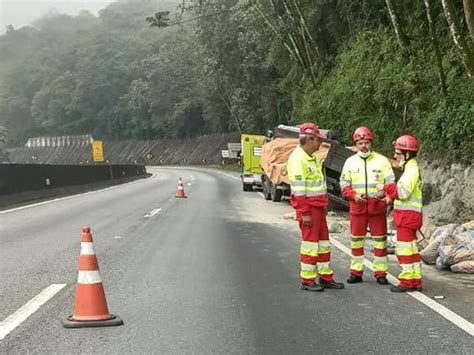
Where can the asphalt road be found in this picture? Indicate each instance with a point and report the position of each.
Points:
(214, 273)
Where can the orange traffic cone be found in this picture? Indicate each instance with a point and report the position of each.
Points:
(180, 191)
(91, 306)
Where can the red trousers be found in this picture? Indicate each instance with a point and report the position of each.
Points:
(315, 252)
(409, 258)
(408, 222)
(378, 231)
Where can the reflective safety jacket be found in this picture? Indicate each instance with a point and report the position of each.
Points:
(408, 197)
(308, 186)
(361, 176)
(408, 192)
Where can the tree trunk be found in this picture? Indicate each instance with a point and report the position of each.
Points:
(275, 31)
(434, 39)
(469, 14)
(464, 50)
(397, 27)
(298, 39)
(294, 34)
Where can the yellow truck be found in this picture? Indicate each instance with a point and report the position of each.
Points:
(251, 168)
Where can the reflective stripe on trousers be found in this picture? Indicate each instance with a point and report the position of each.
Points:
(378, 229)
(315, 253)
(409, 258)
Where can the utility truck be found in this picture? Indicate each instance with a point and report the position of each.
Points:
(251, 168)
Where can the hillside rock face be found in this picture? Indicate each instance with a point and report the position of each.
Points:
(448, 192)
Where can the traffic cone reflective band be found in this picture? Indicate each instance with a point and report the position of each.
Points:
(91, 306)
(180, 191)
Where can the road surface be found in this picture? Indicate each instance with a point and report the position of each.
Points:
(214, 273)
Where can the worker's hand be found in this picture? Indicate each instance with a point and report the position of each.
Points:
(307, 221)
(388, 200)
(380, 187)
(359, 199)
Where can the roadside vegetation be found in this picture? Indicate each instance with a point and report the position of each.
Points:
(150, 69)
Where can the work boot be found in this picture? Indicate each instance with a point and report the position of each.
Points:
(382, 280)
(353, 279)
(331, 284)
(313, 287)
(400, 288)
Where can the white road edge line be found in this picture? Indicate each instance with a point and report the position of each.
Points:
(454, 318)
(229, 175)
(28, 309)
(72, 196)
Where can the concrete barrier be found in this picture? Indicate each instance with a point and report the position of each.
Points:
(19, 178)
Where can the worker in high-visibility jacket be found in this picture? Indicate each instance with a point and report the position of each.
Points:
(407, 214)
(309, 198)
(360, 176)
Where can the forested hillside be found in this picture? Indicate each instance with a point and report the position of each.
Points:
(150, 69)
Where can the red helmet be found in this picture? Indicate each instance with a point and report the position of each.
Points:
(407, 142)
(362, 133)
(309, 128)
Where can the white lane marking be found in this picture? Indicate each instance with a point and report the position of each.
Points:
(28, 309)
(189, 184)
(152, 213)
(118, 237)
(454, 318)
(73, 196)
(261, 194)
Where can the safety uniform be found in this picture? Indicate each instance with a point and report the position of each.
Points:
(408, 218)
(309, 198)
(361, 176)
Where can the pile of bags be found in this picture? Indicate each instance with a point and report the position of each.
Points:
(451, 247)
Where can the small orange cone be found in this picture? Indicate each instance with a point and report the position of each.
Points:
(180, 191)
(91, 306)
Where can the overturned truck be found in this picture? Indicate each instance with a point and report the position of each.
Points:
(275, 154)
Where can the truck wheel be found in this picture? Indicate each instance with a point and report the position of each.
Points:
(275, 193)
(266, 189)
(247, 187)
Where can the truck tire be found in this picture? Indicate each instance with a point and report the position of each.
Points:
(266, 189)
(275, 193)
(248, 187)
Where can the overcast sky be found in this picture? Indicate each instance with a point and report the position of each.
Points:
(20, 13)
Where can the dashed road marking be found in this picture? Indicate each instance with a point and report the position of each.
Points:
(152, 213)
(28, 309)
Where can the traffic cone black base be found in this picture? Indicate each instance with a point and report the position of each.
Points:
(70, 323)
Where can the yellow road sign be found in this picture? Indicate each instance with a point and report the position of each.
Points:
(97, 151)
